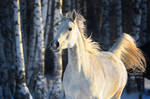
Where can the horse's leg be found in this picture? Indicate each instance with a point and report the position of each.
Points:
(118, 93)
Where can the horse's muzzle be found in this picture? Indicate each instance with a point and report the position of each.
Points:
(54, 45)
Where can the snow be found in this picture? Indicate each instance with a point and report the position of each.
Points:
(135, 95)
(129, 96)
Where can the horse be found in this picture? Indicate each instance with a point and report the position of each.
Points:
(92, 73)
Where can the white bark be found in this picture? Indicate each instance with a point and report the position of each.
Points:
(23, 10)
(38, 30)
(57, 91)
(38, 65)
(44, 4)
(57, 15)
(48, 27)
(57, 87)
(137, 19)
(22, 90)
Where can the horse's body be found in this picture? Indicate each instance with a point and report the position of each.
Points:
(99, 81)
(94, 74)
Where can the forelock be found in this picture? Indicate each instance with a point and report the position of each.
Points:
(73, 15)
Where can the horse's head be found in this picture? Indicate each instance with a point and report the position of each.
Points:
(66, 34)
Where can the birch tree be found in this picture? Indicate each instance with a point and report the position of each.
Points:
(38, 85)
(7, 68)
(106, 22)
(44, 10)
(47, 27)
(22, 90)
(143, 31)
(2, 65)
(57, 84)
(137, 19)
(73, 4)
(118, 16)
(67, 5)
(23, 24)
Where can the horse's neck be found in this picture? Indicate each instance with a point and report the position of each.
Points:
(77, 55)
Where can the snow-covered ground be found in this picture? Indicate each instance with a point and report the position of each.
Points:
(147, 83)
(136, 94)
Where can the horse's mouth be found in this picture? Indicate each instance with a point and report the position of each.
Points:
(56, 50)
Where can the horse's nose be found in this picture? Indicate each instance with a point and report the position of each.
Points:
(54, 45)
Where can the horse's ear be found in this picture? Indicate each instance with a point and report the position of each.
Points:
(73, 15)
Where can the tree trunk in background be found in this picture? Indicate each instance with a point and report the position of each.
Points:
(92, 19)
(137, 19)
(106, 23)
(73, 4)
(143, 34)
(57, 92)
(2, 67)
(44, 10)
(84, 11)
(23, 16)
(47, 27)
(38, 85)
(118, 12)
(57, 85)
(7, 60)
(22, 91)
(66, 6)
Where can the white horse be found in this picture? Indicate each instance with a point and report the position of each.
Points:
(91, 73)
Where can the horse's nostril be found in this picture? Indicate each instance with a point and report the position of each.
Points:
(54, 44)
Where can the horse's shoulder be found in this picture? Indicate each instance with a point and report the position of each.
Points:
(110, 57)
(106, 54)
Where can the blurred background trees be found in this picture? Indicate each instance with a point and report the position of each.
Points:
(29, 69)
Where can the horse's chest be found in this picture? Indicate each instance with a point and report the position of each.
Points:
(76, 83)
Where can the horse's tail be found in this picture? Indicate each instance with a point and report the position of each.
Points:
(132, 57)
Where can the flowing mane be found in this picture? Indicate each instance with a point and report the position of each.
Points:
(90, 46)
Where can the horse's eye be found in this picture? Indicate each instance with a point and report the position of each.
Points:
(70, 29)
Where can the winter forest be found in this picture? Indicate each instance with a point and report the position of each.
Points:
(29, 69)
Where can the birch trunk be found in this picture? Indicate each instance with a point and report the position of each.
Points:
(85, 8)
(47, 26)
(44, 6)
(23, 15)
(57, 87)
(22, 91)
(106, 23)
(31, 48)
(137, 19)
(38, 85)
(67, 4)
(2, 66)
(143, 34)
(57, 92)
(73, 4)
(118, 11)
